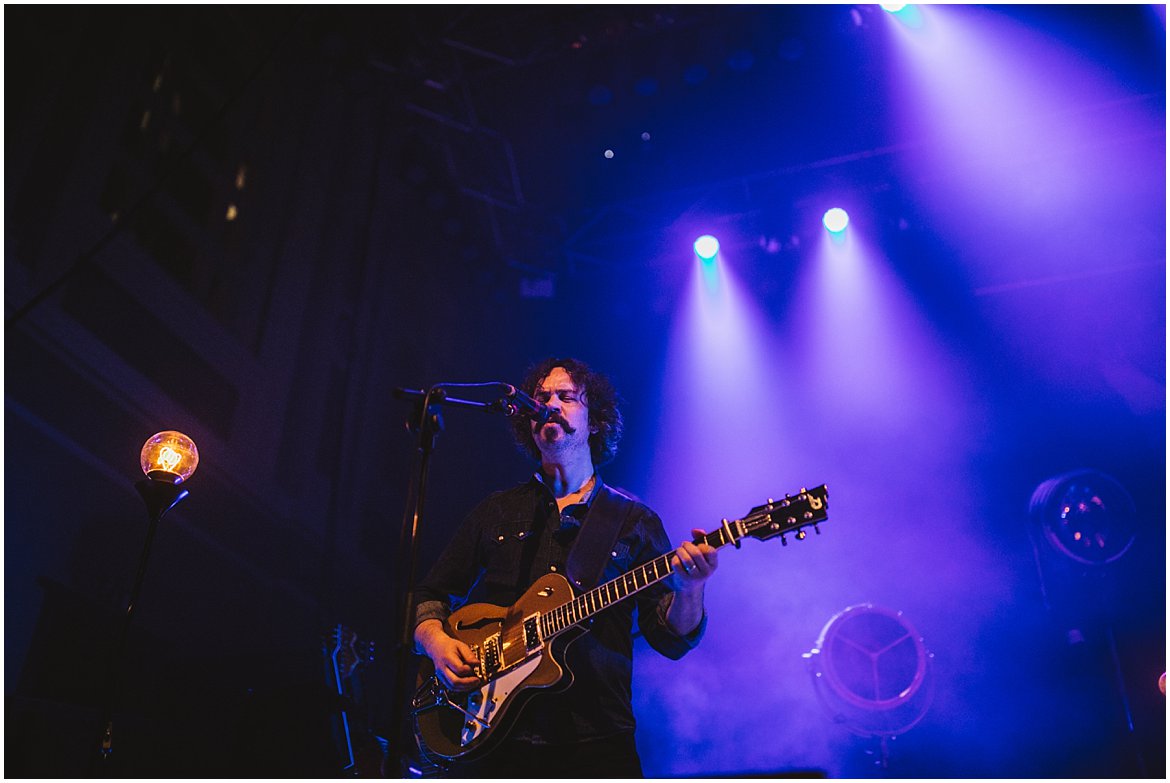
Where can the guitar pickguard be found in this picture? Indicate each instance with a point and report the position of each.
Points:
(484, 703)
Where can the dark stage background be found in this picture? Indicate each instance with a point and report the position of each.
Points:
(253, 224)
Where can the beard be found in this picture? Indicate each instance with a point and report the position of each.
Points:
(556, 436)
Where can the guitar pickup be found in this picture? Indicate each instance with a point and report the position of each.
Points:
(532, 638)
(489, 658)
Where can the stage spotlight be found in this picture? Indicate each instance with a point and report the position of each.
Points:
(1085, 515)
(836, 220)
(908, 15)
(706, 247)
(872, 671)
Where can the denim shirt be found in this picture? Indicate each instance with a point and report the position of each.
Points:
(516, 536)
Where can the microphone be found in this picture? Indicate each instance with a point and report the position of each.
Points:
(519, 402)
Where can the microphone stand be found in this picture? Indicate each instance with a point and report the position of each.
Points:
(426, 423)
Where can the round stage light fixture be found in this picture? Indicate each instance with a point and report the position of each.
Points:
(872, 671)
(836, 220)
(706, 247)
(1086, 516)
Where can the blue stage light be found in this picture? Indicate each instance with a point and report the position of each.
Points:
(706, 247)
(908, 15)
(836, 219)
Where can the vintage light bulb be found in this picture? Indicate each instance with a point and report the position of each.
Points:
(169, 456)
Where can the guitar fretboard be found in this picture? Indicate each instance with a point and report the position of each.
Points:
(593, 601)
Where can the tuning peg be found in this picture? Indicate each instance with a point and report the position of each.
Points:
(783, 541)
(817, 529)
(801, 535)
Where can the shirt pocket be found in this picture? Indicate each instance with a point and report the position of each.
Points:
(621, 555)
(502, 547)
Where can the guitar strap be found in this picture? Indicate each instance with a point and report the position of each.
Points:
(600, 529)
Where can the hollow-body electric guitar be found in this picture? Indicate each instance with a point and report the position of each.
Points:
(520, 648)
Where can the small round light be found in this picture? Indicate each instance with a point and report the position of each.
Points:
(646, 87)
(836, 219)
(600, 95)
(169, 456)
(706, 247)
(893, 8)
(696, 75)
(609, 154)
(741, 61)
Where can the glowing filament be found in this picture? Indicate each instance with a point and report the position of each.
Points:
(169, 459)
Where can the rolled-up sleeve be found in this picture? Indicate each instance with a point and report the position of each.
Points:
(665, 639)
(431, 610)
(653, 607)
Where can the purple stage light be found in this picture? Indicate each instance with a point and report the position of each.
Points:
(1065, 136)
(848, 385)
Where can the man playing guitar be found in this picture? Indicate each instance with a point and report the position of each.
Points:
(520, 535)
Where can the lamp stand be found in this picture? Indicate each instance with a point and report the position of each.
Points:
(161, 493)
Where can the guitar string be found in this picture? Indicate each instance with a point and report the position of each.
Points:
(570, 613)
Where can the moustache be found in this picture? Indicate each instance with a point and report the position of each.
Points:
(564, 424)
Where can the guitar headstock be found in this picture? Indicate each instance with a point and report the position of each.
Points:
(790, 514)
(348, 651)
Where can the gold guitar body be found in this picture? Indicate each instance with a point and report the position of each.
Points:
(515, 663)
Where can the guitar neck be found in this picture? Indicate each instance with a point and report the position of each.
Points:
(791, 514)
(605, 595)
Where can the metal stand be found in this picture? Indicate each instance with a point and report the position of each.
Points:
(160, 494)
(1123, 694)
(426, 423)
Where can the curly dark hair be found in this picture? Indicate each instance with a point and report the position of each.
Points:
(600, 396)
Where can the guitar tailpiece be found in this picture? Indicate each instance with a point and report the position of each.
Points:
(473, 716)
(429, 696)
